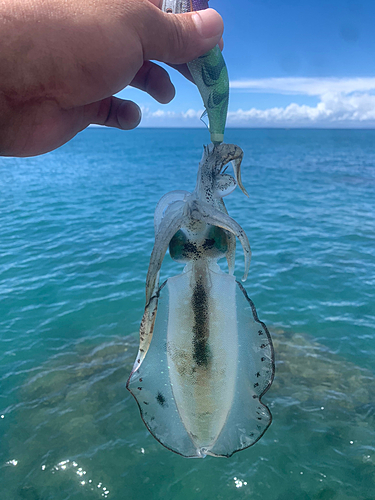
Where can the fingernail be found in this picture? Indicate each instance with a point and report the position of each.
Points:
(209, 23)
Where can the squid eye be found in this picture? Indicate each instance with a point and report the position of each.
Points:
(219, 240)
(169, 11)
(177, 247)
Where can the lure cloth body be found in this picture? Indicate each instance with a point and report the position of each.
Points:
(209, 73)
(205, 360)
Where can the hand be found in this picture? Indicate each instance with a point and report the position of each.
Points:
(62, 60)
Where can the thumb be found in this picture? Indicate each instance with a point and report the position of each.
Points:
(179, 38)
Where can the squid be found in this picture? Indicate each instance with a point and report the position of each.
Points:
(204, 360)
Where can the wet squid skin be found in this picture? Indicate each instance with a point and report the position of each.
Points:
(209, 73)
(209, 358)
(204, 204)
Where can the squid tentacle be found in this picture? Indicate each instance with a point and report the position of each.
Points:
(210, 215)
(236, 163)
(231, 239)
(234, 154)
(165, 202)
(170, 224)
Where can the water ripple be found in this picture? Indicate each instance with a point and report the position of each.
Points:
(77, 234)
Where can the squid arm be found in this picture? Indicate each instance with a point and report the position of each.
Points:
(165, 203)
(210, 215)
(169, 225)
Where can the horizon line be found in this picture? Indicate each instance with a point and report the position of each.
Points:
(229, 127)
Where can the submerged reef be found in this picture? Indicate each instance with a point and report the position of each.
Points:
(75, 433)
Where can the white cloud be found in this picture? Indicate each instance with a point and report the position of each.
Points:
(165, 118)
(333, 110)
(305, 86)
(343, 102)
(190, 114)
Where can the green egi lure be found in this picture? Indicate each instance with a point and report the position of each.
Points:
(209, 73)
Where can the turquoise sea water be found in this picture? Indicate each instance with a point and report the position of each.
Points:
(76, 236)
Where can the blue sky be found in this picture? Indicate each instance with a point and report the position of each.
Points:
(292, 63)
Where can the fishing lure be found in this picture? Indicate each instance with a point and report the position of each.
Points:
(209, 72)
(209, 358)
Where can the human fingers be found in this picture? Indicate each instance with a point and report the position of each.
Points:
(183, 68)
(154, 80)
(113, 112)
(178, 38)
(157, 3)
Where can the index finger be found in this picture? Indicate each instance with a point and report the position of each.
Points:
(157, 3)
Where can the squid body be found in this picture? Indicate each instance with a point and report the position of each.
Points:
(205, 360)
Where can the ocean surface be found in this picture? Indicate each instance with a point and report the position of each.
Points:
(76, 233)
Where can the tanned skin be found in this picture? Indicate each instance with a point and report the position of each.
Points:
(62, 60)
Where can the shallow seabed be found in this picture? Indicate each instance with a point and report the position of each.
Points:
(76, 235)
